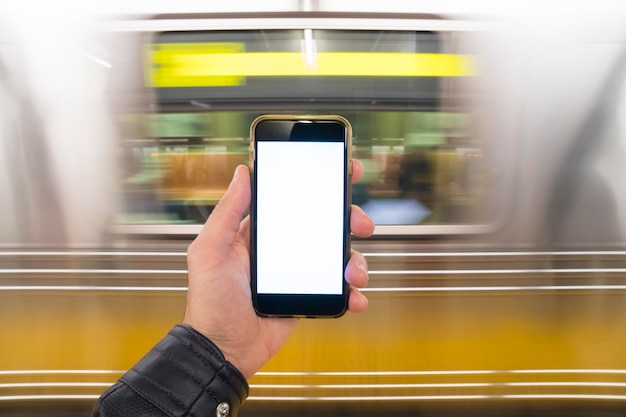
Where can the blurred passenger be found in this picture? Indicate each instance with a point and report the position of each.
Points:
(415, 180)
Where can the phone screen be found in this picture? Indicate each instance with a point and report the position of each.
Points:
(300, 234)
(300, 241)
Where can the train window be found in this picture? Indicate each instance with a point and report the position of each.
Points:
(425, 162)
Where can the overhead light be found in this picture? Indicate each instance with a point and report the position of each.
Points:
(309, 50)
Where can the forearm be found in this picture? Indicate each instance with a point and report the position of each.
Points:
(184, 374)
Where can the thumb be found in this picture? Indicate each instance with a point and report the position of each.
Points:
(223, 224)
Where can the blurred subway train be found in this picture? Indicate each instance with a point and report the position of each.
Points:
(494, 141)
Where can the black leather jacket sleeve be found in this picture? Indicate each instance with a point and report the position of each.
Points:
(184, 374)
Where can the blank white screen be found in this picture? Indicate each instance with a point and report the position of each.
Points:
(299, 217)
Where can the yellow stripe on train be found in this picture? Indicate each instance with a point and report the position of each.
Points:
(225, 64)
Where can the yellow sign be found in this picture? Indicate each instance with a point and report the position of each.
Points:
(165, 69)
(208, 64)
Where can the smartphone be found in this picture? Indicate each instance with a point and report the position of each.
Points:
(301, 168)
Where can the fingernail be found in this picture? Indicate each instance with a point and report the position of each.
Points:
(235, 175)
(234, 179)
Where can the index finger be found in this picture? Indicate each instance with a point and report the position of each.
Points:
(222, 226)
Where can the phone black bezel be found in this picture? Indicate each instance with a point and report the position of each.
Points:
(273, 128)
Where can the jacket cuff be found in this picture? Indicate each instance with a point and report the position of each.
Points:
(186, 374)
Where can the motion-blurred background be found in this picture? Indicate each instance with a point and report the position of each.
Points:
(495, 147)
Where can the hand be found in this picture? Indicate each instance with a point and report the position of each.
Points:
(219, 303)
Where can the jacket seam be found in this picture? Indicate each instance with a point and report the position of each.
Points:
(220, 355)
(196, 353)
(168, 394)
(172, 360)
(205, 389)
(206, 343)
(206, 362)
(113, 389)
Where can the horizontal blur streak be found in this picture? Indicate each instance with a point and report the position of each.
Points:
(396, 272)
(365, 290)
(505, 329)
(183, 65)
(420, 168)
(493, 384)
(62, 372)
(498, 272)
(371, 272)
(445, 397)
(44, 397)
